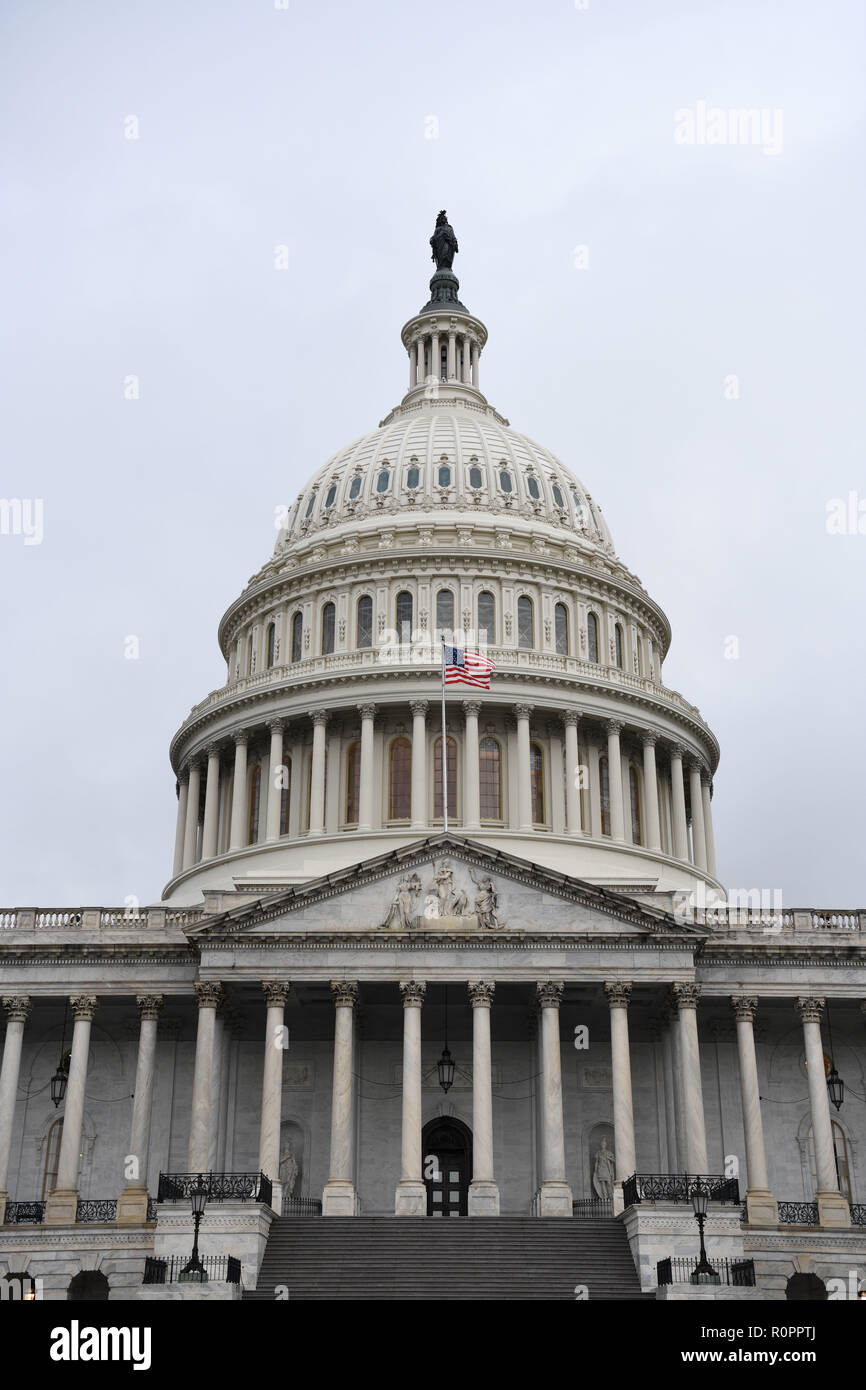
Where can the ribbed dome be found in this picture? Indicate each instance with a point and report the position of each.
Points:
(441, 455)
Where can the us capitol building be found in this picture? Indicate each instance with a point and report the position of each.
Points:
(346, 1011)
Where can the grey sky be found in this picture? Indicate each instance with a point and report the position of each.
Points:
(308, 127)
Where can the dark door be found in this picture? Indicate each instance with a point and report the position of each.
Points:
(447, 1152)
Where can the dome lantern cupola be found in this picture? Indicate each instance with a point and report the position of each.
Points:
(444, 341)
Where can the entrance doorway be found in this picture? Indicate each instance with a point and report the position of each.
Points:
(447, 1154)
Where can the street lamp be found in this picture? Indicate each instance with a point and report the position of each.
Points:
(703, 1272)
(194, 1269)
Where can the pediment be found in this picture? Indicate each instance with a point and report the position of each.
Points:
(444, 886)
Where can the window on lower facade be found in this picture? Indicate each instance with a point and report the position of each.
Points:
(297, 636)
(329, 618)
(353, 783)
(451, 772)
(255, 797)
(536, 783)
(400, 780)
(490, 758)
(634, 798)
(560, 616)
(524, 622)
(604, 790)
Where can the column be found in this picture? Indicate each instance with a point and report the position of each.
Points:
(697, 801)
(670, 1092)
(132, 1202)
(571, 719)
(62, 1204)
(411, 1196)
(365, 794)
(419, 362)
(276, 993)
(475, 365)
(211, 803)
(555, 1197)
(317, 776)
(209, 994)
(670, 1012)
(275, 780)
(435, 369)
(465, 359)
(761, 1206)
(678, 807)
(618, 994)
(240, 809)
(483, 1190)
(452, 355)
(524, 787)
(191, 831)
(180, 832)
(338, 1198)
(651, 793)
(833, 1210)
(686, 997)
(614, 778)
(471, 768)
(17, 1008)
(708, 824)
(419, 763)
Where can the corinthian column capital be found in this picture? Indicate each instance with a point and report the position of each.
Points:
(276, 992)
(345, 993)
(481, 993)
(209, 993)
(149, 1005)
(412, 992)
(618, 993)
(810, 1010)
(744, 1007)
(549, 993)
(17, 1007)
(84, 1006)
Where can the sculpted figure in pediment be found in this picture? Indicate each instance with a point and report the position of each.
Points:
(452, 901)
(403, 908)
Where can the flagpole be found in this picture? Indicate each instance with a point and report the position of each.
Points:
(444, 751)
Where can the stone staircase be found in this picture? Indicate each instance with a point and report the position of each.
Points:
(493, 1258)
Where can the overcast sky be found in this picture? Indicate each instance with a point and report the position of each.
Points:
(700, 364)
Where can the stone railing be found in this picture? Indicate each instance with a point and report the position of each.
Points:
(774, 922)
(95, 918)
(424, 656)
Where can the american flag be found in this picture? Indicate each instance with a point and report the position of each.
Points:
(468, 667)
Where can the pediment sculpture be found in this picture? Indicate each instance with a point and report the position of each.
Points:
(444, 901)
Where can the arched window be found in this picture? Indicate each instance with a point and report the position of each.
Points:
(310, 505)
(505, 480)
(365, 621)
(536, 783)
(618, 637)
(451, 769)
(353, 783)
(592, 632)
(558, 497)
(443, 361)
(286, 797)
(355, 487)
(634, 798)
(445, 614)
(255, 797)
(486, 619)
(329, 614)
(524, 622)
(404, 616)
(490, 757)
(604, 794)
(534, 489)
(52, 1157)
(271, 644)
(330, 495)
(400, 779)
(297, 636)
(560, 623)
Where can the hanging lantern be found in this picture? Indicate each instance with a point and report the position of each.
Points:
(835, 1087)
(445, 1068)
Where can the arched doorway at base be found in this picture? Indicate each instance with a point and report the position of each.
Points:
(446, 1148)
(90, 1286)
(806, 1287)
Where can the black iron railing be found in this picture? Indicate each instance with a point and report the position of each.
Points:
(678, 1187)
(681, 1270)
(589, 1207)
(24, 1213)
(301, 1206)
(221, 1187)
(225, 1268)
(96, 1209)
(151, 1209)
(858, 1214)
(798, 1213)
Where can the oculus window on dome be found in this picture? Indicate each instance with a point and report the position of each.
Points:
(355, 487)
(475, 476)
(413, 477)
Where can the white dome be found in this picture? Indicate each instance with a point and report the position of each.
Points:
(439, 455)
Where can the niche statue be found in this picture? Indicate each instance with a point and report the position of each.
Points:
(604, 1172)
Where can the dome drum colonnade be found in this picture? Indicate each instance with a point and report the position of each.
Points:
(596, 778)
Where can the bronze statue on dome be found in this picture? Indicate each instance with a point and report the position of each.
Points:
(443, 242)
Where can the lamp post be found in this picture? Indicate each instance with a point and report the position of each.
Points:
(703, 1272)
(194, 1269)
